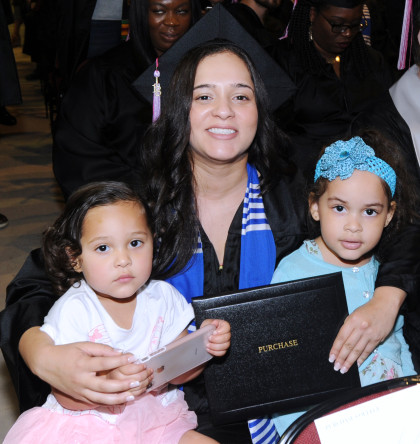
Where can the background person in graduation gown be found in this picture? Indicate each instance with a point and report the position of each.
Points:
(102, 116)
(206, 197)
(337, 75)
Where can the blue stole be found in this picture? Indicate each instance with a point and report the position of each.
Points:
(258, 250)
(258, 260)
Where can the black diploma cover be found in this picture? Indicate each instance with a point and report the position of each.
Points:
(281, 338)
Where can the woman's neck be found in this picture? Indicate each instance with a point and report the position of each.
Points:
(219, 191)
(324, 54)
(216, 182)
(332, 59)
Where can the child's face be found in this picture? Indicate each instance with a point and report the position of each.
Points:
(352, 214)
(117, 250)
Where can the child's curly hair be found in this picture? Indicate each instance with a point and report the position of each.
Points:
(61, 242)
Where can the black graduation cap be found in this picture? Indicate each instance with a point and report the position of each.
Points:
(339, 3)
(219, 23)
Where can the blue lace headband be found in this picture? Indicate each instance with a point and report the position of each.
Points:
(344, 156)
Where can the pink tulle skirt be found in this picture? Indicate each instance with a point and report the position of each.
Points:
(143, 421)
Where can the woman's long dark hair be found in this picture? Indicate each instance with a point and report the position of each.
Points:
(168, 163)
(139, 27)
(61, 242)
(306, 52)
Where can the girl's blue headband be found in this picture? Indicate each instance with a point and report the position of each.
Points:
(344, 156)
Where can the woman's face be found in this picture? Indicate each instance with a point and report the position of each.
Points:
(223, 113)
(328, 42)
(169, 20)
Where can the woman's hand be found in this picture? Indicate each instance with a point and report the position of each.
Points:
(219, 341)
(74, 368)
(366, 327)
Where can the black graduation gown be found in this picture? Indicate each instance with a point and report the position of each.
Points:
(385, 117)
(73, 23)
(30, 295)
(252, 24)
(101, 121)
(324, 105)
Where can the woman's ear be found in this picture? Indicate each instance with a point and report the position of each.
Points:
(313, 206)
(75, 261)
(391, 212)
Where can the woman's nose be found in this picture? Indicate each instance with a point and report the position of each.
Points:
(223, 108)
(171, 19)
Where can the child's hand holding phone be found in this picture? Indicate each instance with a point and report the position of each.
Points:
(219, 341)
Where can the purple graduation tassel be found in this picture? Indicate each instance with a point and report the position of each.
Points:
(286, 33)
(157, 91)
(404, 34)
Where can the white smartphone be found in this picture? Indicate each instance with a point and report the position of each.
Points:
(178, 357)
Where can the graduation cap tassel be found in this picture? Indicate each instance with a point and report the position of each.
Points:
(286, 33)
(404, 34)
(156, 93)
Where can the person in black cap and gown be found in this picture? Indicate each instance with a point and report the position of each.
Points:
(102, 116)
(337, 75)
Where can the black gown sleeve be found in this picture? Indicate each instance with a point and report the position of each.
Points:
(401, 267)
(29, 298)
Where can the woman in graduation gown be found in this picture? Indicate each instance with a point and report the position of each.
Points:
(337, 75)
(200, 192)
(103, 116)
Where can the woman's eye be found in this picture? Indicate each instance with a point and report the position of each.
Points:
(370, 212)
(183, 11)
(158, 11)
(136, 243)
(241, 98)
(339, 208)
(102, 248)
(203, 98)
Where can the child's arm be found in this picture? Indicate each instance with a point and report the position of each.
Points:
(70, 403)
(219, 343)
(366, 327)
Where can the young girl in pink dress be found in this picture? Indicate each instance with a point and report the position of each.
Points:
(99, 253)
